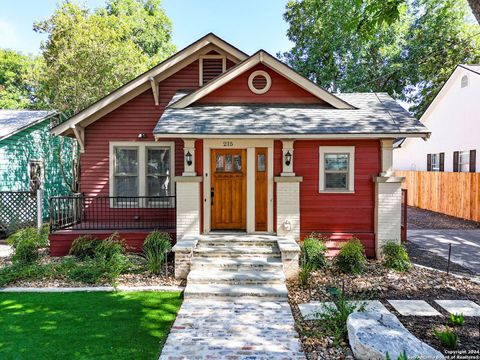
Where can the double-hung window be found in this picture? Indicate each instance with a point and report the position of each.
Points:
(141, 173)
(336, 168)
(435, 162)
(464, 161)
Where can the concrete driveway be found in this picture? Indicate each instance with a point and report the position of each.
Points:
(465, 245)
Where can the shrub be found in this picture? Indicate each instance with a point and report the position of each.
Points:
(26, 251)
(313, 251)
(87, 272)
(448, 338)
(395, 257)
(155, 249)
(304, 274)
(110, 247)
(83, 247)
(351, 258)
(457, 319)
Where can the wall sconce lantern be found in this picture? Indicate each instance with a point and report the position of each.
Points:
(288, 158)
(188, 157)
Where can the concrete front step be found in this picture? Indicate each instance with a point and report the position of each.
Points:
(237, 251)
(235, 277)
(237, 264)
(273, 292)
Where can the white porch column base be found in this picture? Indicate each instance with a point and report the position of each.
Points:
(188, 205)
(288, 206)
(388, 211)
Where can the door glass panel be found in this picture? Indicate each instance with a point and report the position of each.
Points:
(237, 163)
(228, 163)
(220, 161)
(261, 162)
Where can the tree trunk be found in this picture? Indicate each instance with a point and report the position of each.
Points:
(475, 6)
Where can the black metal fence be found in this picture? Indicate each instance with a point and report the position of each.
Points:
(81, 212)
(17, 209)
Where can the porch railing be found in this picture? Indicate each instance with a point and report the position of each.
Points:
(81, 212)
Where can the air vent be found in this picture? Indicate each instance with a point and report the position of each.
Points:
(211, 68)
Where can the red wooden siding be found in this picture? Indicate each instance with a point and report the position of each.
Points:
(282, 91)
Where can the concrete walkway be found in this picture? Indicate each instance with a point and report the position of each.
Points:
(465, 245)
(233, 329)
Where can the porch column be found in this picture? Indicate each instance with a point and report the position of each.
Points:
(189, 148)
(388, 200)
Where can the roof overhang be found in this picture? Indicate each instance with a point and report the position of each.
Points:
(262, 57)
(33, 123)
(143, 82)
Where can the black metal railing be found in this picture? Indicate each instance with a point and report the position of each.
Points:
(81, 212)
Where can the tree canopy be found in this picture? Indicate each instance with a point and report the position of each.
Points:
(90, 53)
(405, 48)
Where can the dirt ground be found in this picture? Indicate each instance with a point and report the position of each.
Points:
(419, 219)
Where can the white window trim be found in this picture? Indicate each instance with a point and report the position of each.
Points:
(142, 164)
(350, 150)
(267, 85)
(200, 65)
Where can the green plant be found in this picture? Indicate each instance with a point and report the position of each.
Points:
(351, 258)
(83, 247)
(395, 257)
(448, 338)
(333, 319)
(402, 356)
(110, 247)
(457, 319)
(313, 251)
(155, 249)
(26, 251)
(304, 275)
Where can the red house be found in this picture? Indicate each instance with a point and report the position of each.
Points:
(213, 139)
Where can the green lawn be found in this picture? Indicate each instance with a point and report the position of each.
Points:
(85, 325)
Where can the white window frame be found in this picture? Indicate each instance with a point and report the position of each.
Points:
(142, 165)
(462, 163)
(350, 150)
(200, 65)
(436, 165)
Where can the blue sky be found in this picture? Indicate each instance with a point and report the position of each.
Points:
(247, 24)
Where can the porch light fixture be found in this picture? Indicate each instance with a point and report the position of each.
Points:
(188, 157)
(288, 158)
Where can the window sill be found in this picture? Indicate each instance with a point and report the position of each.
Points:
(336, 192)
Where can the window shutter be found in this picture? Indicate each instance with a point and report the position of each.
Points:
(429, 162)
(473, 160)
(456, 155)
(442, 162)
(211, 68)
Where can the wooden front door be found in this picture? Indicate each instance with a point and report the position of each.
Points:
(261, 189)
(228, 189)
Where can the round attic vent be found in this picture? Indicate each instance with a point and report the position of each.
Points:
(259, 82)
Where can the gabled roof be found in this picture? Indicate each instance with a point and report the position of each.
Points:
(475, 68)
(14, 121)
(142, 81)
(262, 57)
(372, 115)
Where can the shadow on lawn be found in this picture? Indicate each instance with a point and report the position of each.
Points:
(85, 325)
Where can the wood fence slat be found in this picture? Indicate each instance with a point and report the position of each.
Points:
(456, 194)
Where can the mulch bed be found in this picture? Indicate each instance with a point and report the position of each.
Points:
(419, 219)
(378, 283)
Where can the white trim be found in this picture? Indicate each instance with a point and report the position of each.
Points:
(267, 85)
(350, 150)
(200, 65)
(250, 145)
(292, 136)
(276, 65)
(140, 84)
(142, 147)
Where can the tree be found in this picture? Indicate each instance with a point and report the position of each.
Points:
(406, 48)
(89, 54)
(18, 80)
(475, 6)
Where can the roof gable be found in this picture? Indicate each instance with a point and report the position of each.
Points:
(262, 57)
(141, 83)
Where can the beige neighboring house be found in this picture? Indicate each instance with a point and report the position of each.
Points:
(453, 117)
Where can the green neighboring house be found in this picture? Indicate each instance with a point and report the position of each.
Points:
(29, 155)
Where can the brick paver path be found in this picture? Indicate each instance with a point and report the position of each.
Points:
(233, 329)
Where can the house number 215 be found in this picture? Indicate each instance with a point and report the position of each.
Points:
(228, 143)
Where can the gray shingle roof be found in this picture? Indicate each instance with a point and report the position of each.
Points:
(12, 121)
(375, 113)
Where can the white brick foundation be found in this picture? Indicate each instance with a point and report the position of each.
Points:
(388, 211)
(288, 206)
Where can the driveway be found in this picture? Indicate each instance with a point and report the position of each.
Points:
(465, 245)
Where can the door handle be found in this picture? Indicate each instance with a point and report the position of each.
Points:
(212, 194)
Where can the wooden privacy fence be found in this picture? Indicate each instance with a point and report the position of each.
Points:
(452, 193)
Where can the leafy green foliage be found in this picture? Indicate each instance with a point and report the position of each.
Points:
(333, 319)
(402, 356)
(26, 243)
(304, 274)
(155, 249)
(83, 247)
(313, 251)
(405, 48)
(448, 338)
(90, 53)
(351, 258)
(457, 319)
(395, 257)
